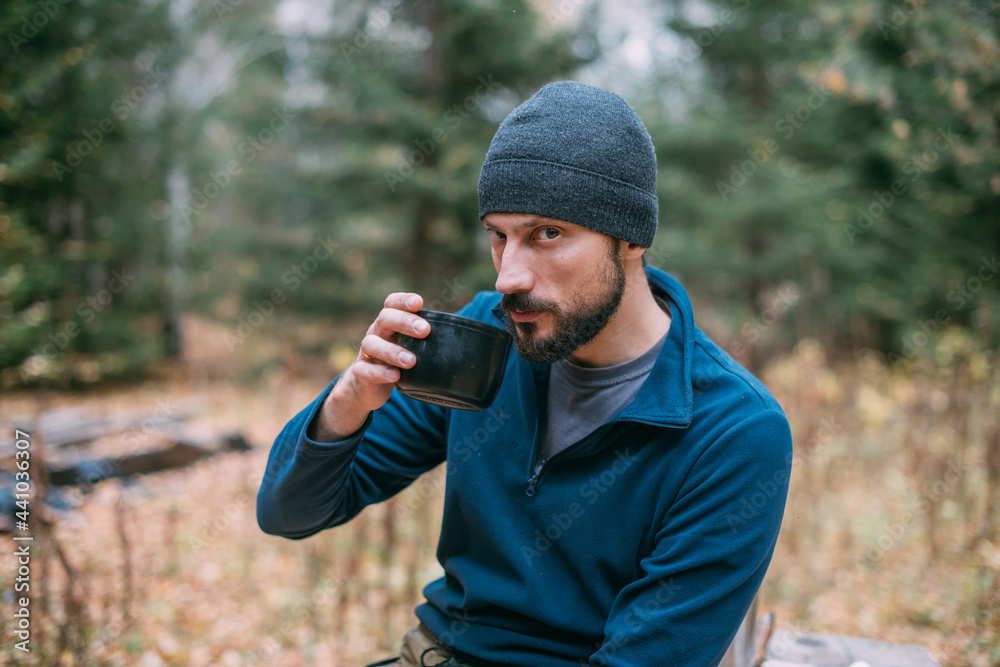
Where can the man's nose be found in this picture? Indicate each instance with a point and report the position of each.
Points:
(514, 273)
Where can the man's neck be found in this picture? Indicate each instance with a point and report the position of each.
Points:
(636, 327)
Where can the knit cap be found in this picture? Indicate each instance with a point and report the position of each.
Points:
(576, 153)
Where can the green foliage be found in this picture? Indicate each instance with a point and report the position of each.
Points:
(219, 161)
(80, 189)
(847, 151)
(396, 107)
(826, 170)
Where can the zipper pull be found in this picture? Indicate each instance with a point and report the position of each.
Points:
(530, 491)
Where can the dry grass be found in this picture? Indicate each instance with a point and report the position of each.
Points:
(891, 529)
(881, 538)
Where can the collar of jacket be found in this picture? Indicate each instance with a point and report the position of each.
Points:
(666, 397)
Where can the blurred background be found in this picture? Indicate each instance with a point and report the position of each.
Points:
(208, 202)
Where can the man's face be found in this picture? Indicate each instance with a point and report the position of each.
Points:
(561, 283)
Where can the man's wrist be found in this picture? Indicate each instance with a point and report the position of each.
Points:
(332, 423)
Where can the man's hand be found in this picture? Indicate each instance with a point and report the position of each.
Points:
(368, 382)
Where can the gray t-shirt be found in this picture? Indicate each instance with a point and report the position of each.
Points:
(581, 398)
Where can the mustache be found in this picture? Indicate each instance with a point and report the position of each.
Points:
(524, 302)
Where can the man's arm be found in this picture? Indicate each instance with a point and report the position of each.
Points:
(325, 467)
(710, 556)
(309, 486)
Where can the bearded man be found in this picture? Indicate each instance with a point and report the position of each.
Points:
(624, 493)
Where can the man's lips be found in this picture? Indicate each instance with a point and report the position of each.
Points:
(525, 315)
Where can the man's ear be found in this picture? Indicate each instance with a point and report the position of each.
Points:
(631, 250)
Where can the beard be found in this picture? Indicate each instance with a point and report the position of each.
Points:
(574, 326)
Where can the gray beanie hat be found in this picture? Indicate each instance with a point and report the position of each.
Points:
(576, 153)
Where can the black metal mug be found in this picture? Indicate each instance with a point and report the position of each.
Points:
(460, 363)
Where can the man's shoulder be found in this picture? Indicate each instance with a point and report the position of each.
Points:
(714, 371)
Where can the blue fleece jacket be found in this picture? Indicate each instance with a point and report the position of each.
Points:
(641, 545)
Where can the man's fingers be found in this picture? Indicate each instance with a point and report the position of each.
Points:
(377, 348)
(375, 373)
(404, 301)
(381, 358)
(392, 321)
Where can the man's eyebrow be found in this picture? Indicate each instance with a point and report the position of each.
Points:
(533, 221)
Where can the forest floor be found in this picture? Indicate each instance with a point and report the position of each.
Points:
(890, 530)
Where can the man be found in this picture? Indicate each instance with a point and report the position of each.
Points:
(619, 502)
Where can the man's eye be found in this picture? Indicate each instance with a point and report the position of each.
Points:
(550, 233)
(495, 235)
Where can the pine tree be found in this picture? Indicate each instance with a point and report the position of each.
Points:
(81, 190)
(218, 158)
(801, 120)
(371, 188)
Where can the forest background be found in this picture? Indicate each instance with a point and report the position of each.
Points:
(213, 198)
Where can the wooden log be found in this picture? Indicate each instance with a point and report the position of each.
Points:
(187, 447)
(72, 426)
(808, 649)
